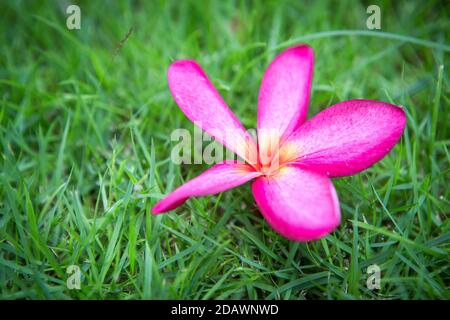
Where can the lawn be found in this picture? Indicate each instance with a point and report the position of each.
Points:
(85, 123)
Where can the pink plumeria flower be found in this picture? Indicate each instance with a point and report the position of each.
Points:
(292, 187)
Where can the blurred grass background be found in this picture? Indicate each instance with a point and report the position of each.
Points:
(85, 123)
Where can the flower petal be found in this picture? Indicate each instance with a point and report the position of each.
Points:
(299, 204)
(220, 177)
(203, 105)
(347, 137)
(284, 94)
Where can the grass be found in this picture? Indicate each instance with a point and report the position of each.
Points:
(85, 123)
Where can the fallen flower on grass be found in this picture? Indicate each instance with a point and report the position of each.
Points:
(293, 160)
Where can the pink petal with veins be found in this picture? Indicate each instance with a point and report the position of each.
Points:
(284, 94)
(203, 105)
(299, 204)
(218, 178)
(348, 137)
